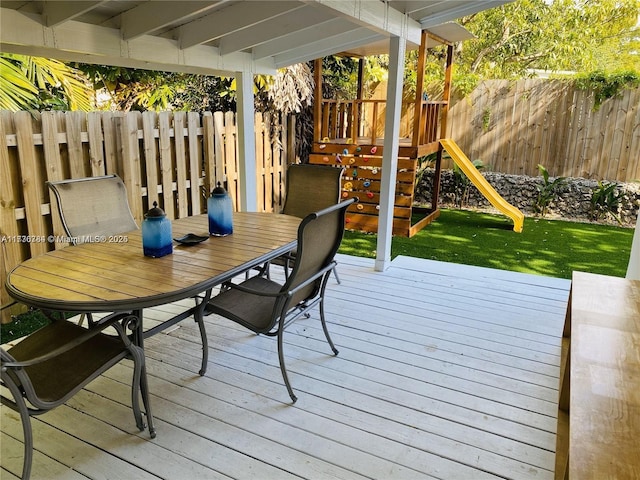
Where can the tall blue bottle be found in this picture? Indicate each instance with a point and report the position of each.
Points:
(220, 212)
(156, 233)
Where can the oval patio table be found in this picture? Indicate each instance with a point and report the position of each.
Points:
(113, 275)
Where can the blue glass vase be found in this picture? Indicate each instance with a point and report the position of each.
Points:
(156, 233)
(220, 212)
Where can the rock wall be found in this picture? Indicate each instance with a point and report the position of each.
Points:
(571, 201)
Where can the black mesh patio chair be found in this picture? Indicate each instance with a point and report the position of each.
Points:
(264, 306)
(309, 188)
(52, 364)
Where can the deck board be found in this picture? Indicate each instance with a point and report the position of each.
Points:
(445, 371)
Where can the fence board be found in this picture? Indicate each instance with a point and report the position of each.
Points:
(96, 151)
(32, 182)
(74, 128)
(194, 168)
(54, 167)
(180, 163)
(9, 181)
(156, 160)
(633, 172)
(150, 155)
(166, 164)
(514, 126)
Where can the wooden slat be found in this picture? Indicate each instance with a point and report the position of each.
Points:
(194, 168)
(179, 119)
(110, 142)
(9, 181)
(96, 140)
(231, 158)
(128, 145)
(605, 377)
(209, 151)
(150, 155)
(166, 163)
(32, 182)
(455, 389)
(54, 168)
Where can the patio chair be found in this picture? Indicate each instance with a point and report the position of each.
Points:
(96, 206)
(264, 306)
(93, 206)
(309, 188)
(52, 364)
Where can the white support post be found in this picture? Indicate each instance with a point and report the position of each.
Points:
(245, 125)
(633, 270)
(397, 47)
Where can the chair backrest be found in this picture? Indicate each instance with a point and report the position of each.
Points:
(319, 237)
(93, 206)
(310, 188)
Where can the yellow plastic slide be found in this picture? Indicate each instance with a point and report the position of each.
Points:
(481, 183)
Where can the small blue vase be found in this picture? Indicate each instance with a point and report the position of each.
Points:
(156, 233)
(220, 212)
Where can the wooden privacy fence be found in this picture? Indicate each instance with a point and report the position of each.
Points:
(174, 158)
(514, 126)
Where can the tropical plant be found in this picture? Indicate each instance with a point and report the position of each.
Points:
(547, 191)
(135, 89)
(463, 184)
(35, 83)
(605, 200)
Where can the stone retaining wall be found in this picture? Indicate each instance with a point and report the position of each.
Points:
(573, 200)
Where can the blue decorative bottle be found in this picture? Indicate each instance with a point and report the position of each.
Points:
(220, 212)
(156, 233)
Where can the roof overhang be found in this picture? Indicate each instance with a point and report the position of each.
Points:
(220, 37)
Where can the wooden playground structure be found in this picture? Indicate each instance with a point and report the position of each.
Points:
(350, 133)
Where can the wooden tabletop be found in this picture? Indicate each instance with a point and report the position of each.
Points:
(114, 274)
(605, 378)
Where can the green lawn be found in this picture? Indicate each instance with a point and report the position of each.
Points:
(546, 247)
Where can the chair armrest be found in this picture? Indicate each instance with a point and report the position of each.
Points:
(114, 321)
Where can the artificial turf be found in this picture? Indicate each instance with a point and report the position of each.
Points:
(553, 248)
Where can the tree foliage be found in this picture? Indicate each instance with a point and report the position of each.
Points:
(574, 35)
(37, 83)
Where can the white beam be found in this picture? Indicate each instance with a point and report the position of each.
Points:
(82, 42)
(230, 19)
(312, 34)
(633, 269)
(272, 28)
(58, 12)
(397, 47)
(246, 142)
(150, 16)
(448, 13)
(376, 14)
(328, 46)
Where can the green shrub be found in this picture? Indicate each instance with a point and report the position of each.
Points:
(605, 200)
(547, 191)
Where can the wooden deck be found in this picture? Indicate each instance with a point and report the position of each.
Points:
(445, 371)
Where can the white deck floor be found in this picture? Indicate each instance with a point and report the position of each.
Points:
(445, 371)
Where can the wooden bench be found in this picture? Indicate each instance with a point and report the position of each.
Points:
(599, 402)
